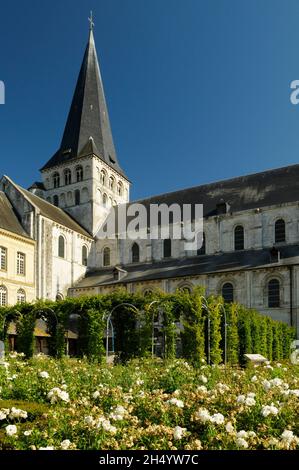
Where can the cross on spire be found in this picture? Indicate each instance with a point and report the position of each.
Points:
(91, 22)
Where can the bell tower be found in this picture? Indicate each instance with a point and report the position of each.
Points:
(84, 177)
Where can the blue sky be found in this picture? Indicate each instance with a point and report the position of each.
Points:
(198, 90)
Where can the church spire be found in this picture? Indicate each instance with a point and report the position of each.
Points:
(87, 129)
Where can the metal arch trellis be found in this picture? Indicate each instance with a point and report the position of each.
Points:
(206, 307)
(15, 312)
(107, 317)
(153, 327)
(42, 311)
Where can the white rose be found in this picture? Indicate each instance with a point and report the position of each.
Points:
(11, 430)
(241, 443)
(44, 374)
(65, 444)
(178, 432)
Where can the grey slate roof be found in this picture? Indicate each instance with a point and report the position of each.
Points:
(54, 213)
(8, 218)
(88, 117)
(271, 187)
(196, 265)
(51, 212)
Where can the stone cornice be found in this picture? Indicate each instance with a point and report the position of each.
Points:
(16, 236)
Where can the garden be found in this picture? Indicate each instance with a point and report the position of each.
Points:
(200, 394)
(146, 404)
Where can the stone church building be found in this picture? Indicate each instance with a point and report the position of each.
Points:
(250, 250)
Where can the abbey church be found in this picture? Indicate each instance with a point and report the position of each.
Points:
(49, 248)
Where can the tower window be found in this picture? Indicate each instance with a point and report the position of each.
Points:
(103, 177)
(273, 293)
(3, 296)
(105, 200)
(111, 183)
(167, 248)
(106, 256)
(61, 247)
(239, 238)
(56, 180)
(135, 253)
(55, 200)
(119, 188)
(3, 258)
(67, 176)
(21, 263)
(228, 292)
(79, 173)
(202, 249)
(84, 255)
(280, 231)
(77, 197)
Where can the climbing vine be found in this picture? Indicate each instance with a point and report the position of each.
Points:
(188, 325)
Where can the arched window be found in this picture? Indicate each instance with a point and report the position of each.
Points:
(274, 293)
(280, 231)
(185, 288)
(239, 238)
(105, 200)
(119, 188)
(3, 258)
(167, 248)
(61, 247)
(147, 292)
(3, 296)
(79, 173)
(21, 296)
(55, 200)
(111, 183)
(135, 253)
(228, 292)
(202, 249)
(77, 197)
(56, 180)
(103, 177)
(84, 255)
(106, 256)
(67, 176)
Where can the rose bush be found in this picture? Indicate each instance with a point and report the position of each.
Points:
(147, 404)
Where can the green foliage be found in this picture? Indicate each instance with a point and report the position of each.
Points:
(263, 335)
(193, 320)
(232, 333)
(269, 339)
(25, 329)
(92, 327)
(33, 409)
(245, 338)
(215, 306)
(132, 316)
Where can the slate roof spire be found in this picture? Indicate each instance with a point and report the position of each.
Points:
(88, 119)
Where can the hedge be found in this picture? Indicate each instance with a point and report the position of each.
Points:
(189, 322)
